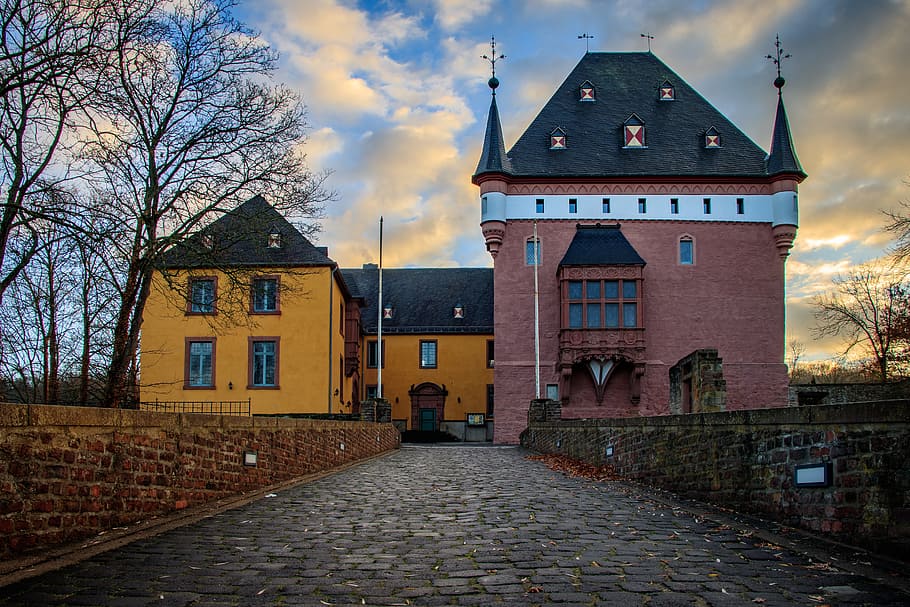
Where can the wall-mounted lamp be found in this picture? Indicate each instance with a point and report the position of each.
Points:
(250, 458)
(396, 399)
(230, 385)
(459, 399)
(336, 392)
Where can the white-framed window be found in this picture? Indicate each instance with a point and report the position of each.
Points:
(599, 304)
(428, 354)
(265, 294)
(263, 367)
(532, 247)
(200, 362)
(202, 295)
(373, 354)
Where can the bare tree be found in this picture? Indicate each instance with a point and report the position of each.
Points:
(899, 225)
(796, 349)
(51, 55)
(188, 127)
(868, 307)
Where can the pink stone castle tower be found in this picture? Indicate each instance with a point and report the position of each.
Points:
(662, 232)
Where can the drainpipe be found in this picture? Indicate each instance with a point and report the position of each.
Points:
(331, 325)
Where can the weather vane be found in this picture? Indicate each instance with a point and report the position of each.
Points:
(492, 58)
(587, 38)
(776, 60)
(650, 38)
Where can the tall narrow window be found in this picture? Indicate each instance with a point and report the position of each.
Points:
(428, 354)
(202, 295)
(263, 366)
(490, 402)
(674, 206)
(373, 354)
(605, 205)
(532, 252)
(552, 391)
(740, 206)
(491, 359)
(200, 363)
(265, 295)
(707, 205)
(642, 205)
(686, 251)
(573, 205)
(538, 206)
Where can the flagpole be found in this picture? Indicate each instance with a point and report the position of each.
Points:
(379, 323)
(536, 315)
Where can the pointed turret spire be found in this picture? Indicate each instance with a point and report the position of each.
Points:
(782, 158)
(493, 159)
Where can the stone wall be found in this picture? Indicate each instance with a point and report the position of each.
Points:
(835, 394)
(67, 473)
(746, 460)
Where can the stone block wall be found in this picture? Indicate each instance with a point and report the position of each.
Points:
(746, 460)
(834, 394)
(67, 473)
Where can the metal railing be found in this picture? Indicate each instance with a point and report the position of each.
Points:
(209, 407)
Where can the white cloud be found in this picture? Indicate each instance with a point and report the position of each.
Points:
(452, 14)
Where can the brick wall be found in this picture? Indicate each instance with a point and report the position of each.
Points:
(67, 473)
(746, 460)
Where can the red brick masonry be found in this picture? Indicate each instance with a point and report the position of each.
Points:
(67, 473)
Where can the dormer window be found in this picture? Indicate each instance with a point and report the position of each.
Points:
(712, 138)
(208, 241)
(387, 312)
(557, 139)
(274, 240)
(667, 91)
(586, 91)
(458, 311)
(634, 132)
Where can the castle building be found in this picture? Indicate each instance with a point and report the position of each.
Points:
(248, 310)
(658, 232)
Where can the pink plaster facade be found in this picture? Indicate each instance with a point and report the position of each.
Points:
(730, 299)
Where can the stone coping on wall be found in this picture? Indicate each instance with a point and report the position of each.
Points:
(12, 415)
(879, 412)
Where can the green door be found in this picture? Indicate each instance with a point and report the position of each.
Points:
(428, 420)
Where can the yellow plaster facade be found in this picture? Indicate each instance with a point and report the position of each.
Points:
(307, 330)
(462, 369)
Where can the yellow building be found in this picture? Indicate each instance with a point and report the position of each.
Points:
(248, 310)
(437, 356)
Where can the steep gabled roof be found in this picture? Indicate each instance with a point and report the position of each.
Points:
(600, 245)
(629, 83)
(423, 299)
(241, 238)
(782, 158)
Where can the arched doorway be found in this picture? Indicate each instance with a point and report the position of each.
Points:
(427, 406)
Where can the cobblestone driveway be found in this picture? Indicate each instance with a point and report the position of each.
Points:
(452, 526)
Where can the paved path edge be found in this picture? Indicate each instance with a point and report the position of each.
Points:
(31, 565)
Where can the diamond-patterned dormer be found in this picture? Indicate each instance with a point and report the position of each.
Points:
(712, 138)
(667, 91)
(634, 132)
(586, 91)
(557, 139)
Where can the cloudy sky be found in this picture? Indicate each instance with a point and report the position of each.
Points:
(397, 101)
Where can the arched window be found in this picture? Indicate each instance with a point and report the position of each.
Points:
(686, 250)
(634, 132)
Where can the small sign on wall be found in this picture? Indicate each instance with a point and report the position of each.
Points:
(250, 458)
(476, 419)
(813, 475)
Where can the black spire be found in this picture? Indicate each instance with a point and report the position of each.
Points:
(782, 158)
(493, 159)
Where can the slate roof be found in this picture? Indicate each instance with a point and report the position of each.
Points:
(493, 158)
(782, 158)
(599, 245)
(423, 299)
(627, 84)
(240, 238)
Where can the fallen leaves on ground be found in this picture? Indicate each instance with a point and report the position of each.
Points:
(575, 468)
